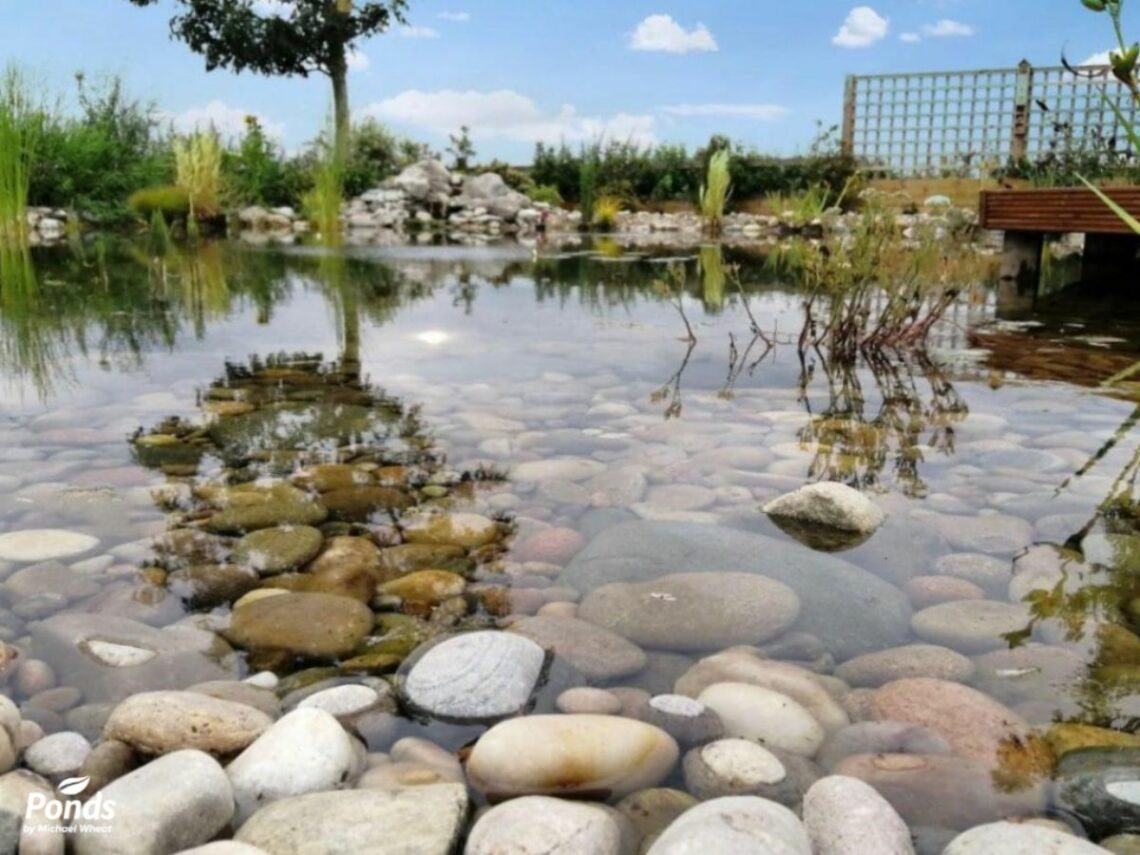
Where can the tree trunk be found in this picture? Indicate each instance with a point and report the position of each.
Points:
(341, 116)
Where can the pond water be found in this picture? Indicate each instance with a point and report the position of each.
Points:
(575, 447)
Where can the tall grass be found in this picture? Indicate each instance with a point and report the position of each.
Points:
(588, 183)
(198, 171)
(322, 204)
(715, 191)
(21, 125)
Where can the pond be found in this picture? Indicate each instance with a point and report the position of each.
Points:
(386, 457)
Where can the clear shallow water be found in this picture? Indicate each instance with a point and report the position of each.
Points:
(988, 446)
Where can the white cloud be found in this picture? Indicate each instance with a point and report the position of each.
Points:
(910, 38)
(661, 33)
(863, 27)
(947, 28)
(358, 61)
(413, 32)
(759, 112)
(228, 121)
(457, 17)
(506, 114)
(1098, 58)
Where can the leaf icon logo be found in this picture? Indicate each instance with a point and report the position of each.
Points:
(73, 786)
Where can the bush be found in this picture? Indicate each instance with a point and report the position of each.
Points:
(255, 173)
(172, 202)
(548, 194)
(606, 212)
(198, 164)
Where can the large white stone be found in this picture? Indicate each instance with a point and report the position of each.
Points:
(598, 755)
(44, 544)
(829, 504)
(304, 752)
(538, 825)
(173, 803)
(845, 816)
(1012, 838)
(734, 825)
(770, 718)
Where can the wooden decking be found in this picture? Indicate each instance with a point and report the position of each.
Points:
(1069, 209)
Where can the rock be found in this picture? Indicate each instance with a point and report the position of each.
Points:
(44, 544)
(845, 816)
(740, 767)
(206, 586)
(687, 720)
(765, 716)
(831, 505)
(989, 573)
(879, 737)
(161, 722)
(363, 502)
(108, 761)
(57, 756)
(345, 702)
(245, 693)
(489, 191)
(538, 825)
(652, 811)
(423, 181)
(850, 610)
(734, 825)
(320, 626)
(601, 756)
(1073, 736)
(927, 591)
(973, 724)
(412, 762)
(971, 626)
(305, 751)
(425, 588)
(694, 612)
(557, 469)
(108, 657)
(913, 660)
(278, 549)
(594, 651)
(49, 578)
(474, 677)
(399, 560)
(1033, 672)
(469, 531)
(588, 701)
(744, 665)
(1101, 787)
(993, 534)
(350, 556)
(42, 839)
(944, 792)
(425, 820)
(224, 847)
(549, 546)
(1019, 838)
(173, 803)
(276, 508)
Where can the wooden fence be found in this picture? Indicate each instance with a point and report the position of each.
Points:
(969, 122)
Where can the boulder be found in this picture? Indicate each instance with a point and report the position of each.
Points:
(161, 722)
(423, 181)
(831, 505)
(491, 192)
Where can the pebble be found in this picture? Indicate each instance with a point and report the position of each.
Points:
(321, 626)
(589, 701)
(344, 701)
(737, 767)
(58, 755)
(173, 803)
(686, 719)
(1019, 838)
(734, 825)
(879, 737)
(831, 505)
(845, 816)
(595, 652)
(652, 811)
(305, 751)
(161, 722)
(550, 546)
(45, 544)
(469, 531)
(694, 611)
(913, 660)
(474, 677)
(971, 626)
(768, 717)
(604, 756)
(926, 591)
(539, 825)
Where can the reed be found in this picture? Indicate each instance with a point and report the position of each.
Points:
(198, 170)
(21, 127)
(716, 191)
(323, 203)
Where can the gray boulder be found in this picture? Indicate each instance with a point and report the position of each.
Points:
(490, 191)
(423, 181)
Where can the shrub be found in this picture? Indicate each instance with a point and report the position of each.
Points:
(254, 173)
(606, 212)
(172, 202)
(715, 193)
(547, 193)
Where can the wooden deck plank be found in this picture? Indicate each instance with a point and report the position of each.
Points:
(1068, 209)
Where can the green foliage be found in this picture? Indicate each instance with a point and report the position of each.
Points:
(255, 172)
(588, 184)
(21, 123)
(672, 173)
(198, 169)
(548, 194)
(376, 154)
(158, 239)
(715, 193)
(171, 201)
(462, 149)
(92, 161)
(322, 204)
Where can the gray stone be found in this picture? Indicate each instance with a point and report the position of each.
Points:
(845, 816)
(1019, 838)
(58, 755)
(474, 677)
(1101, 787)
(847, 608)
(423, 820)
(971, 626)
(175, 802)
(734, 825)
(831, 505)
(594, 651)
(539, 825)
(912, 660)
(879, 737)
(108, 657)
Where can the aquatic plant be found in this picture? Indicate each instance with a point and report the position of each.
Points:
(322, 204)
(716, 191)
(198, 168)
(171, 201)
(606, 212)
(21, 124)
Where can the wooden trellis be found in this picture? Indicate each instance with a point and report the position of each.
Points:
(967, 122)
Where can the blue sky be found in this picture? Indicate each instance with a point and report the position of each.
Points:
(762, 71)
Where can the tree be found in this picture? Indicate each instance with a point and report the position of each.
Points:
(462, 149)
(291, 38)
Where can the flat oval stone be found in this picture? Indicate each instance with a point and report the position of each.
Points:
(278, 549)
(971, 626)
(571, 755)
(474, 677)
(538, 824)
(467, 530)
(316, 625)
(734, 825)
(913, 660)
(1019, 838)
(44, 544)
(593, 650)
(845, 816)
(770, 718)
(161, 722)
